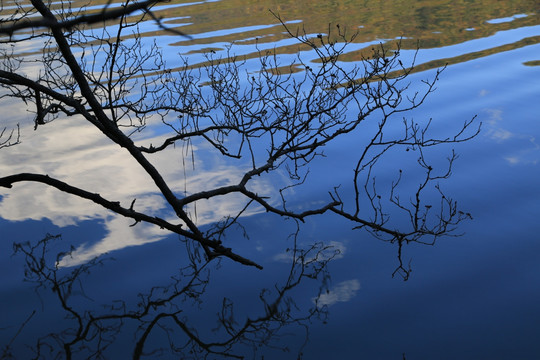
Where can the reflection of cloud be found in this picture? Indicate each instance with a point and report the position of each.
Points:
(119, 235)
(494, 115)
(72, 150)
(342, 292)
(483, 92)
(335, 250)
(512, 160)
(500, 134)
(526, 155)
(523, 147)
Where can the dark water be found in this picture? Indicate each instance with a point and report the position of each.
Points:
(470, 297)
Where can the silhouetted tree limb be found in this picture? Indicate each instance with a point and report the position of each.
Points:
(273, 120)
(216, 246)
(291, 116)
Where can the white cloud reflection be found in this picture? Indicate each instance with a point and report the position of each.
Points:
(519, 147)
(342, 292)
(72, 150)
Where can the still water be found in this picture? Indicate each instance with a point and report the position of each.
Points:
(474, 296)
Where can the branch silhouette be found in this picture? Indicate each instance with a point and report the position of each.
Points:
(275, 120)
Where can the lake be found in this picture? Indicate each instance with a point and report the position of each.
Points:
(472, 296)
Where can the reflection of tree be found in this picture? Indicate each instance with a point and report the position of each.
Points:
(89, 332)
(277, 122)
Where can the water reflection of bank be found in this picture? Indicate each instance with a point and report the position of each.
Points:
(436, 23)
(212, 25)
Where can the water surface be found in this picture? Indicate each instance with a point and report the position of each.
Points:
(469, 297)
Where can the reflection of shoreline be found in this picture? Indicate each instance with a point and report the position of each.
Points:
(423, 23)
(440, 23)
(75, 152)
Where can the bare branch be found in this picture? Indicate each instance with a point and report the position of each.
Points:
(276, 120)
(104, 15)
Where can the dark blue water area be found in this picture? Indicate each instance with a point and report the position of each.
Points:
(474, 296)
(470, 297)
(465, 299)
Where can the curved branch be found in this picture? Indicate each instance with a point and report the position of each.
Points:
(216, 246)
(114, 206)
